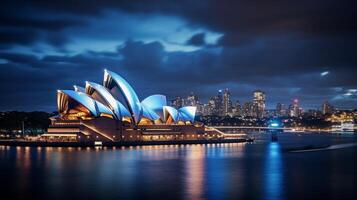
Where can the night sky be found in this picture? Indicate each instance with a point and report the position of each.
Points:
(290, 49)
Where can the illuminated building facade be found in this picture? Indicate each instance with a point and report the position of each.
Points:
(227, 103)
(294, 109)
(326, 108)
(94, 112)
(258, 104)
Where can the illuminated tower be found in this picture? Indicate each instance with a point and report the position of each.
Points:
(227, 103)
(247, 109)
(294, 109)
(280, 109)
(177, 102)
(258, 104)
(219, 103)
(327, 108)
(192, 100)
(237, 109)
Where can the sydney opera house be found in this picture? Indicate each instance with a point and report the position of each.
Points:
(113, 112)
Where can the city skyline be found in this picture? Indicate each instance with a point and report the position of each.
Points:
(187, 100)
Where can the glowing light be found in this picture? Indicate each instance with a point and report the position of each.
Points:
(274, 124)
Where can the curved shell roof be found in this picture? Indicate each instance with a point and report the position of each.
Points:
(96, 99)
(111, 80)
(155, 103)
(101, 108)
(150, 114)
(187, 113)
(79, 89)
(170, 111)
(123, 111)
(93, 106)
(79, 97)
(105, 95)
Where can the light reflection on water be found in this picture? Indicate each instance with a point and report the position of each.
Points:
(273, 172)
(214, 171)
(194, 173)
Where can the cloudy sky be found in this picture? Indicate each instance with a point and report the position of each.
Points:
(289, 49)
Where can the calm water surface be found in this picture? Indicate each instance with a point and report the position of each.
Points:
(260, 170)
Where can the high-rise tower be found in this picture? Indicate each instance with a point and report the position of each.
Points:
(227, 103)
(258, 104)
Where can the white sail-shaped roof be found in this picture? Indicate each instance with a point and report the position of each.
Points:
(105, 96)
(79, 89)
(63, 97)
(112, 80)
(96, 100)
(187, 113)
(150, 114)
(67, 100)
(170, 111)
(155, 103)
(101, 108)
(123, 111)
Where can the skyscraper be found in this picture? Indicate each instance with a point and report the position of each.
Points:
(327, 108)
(192, 100)
(294, 109)
(227, 103)
(247, 109)
(258, 104)
(219, 103)
(237, 109)
(280, 110)
(177, 102)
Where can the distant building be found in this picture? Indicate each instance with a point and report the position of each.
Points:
(192, 100)
(219, 103)
(280, 110)
(206, 109)
(312, 113)
(211, 106)
(200, 109)
(258, 104)
(237, 109)
(247, 109)
(177, 103)
(227, 103)
(294, 109)
(327, 108)
(215, 104)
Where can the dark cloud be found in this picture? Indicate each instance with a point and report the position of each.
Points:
(44, 23)
(280, 47)
(151, 55)
(9, 38)
(197, 40)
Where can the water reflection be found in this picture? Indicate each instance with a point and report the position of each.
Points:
(194, 173)
(273, 172)
(212, 171)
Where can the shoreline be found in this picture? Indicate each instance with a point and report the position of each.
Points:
(23, 143)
